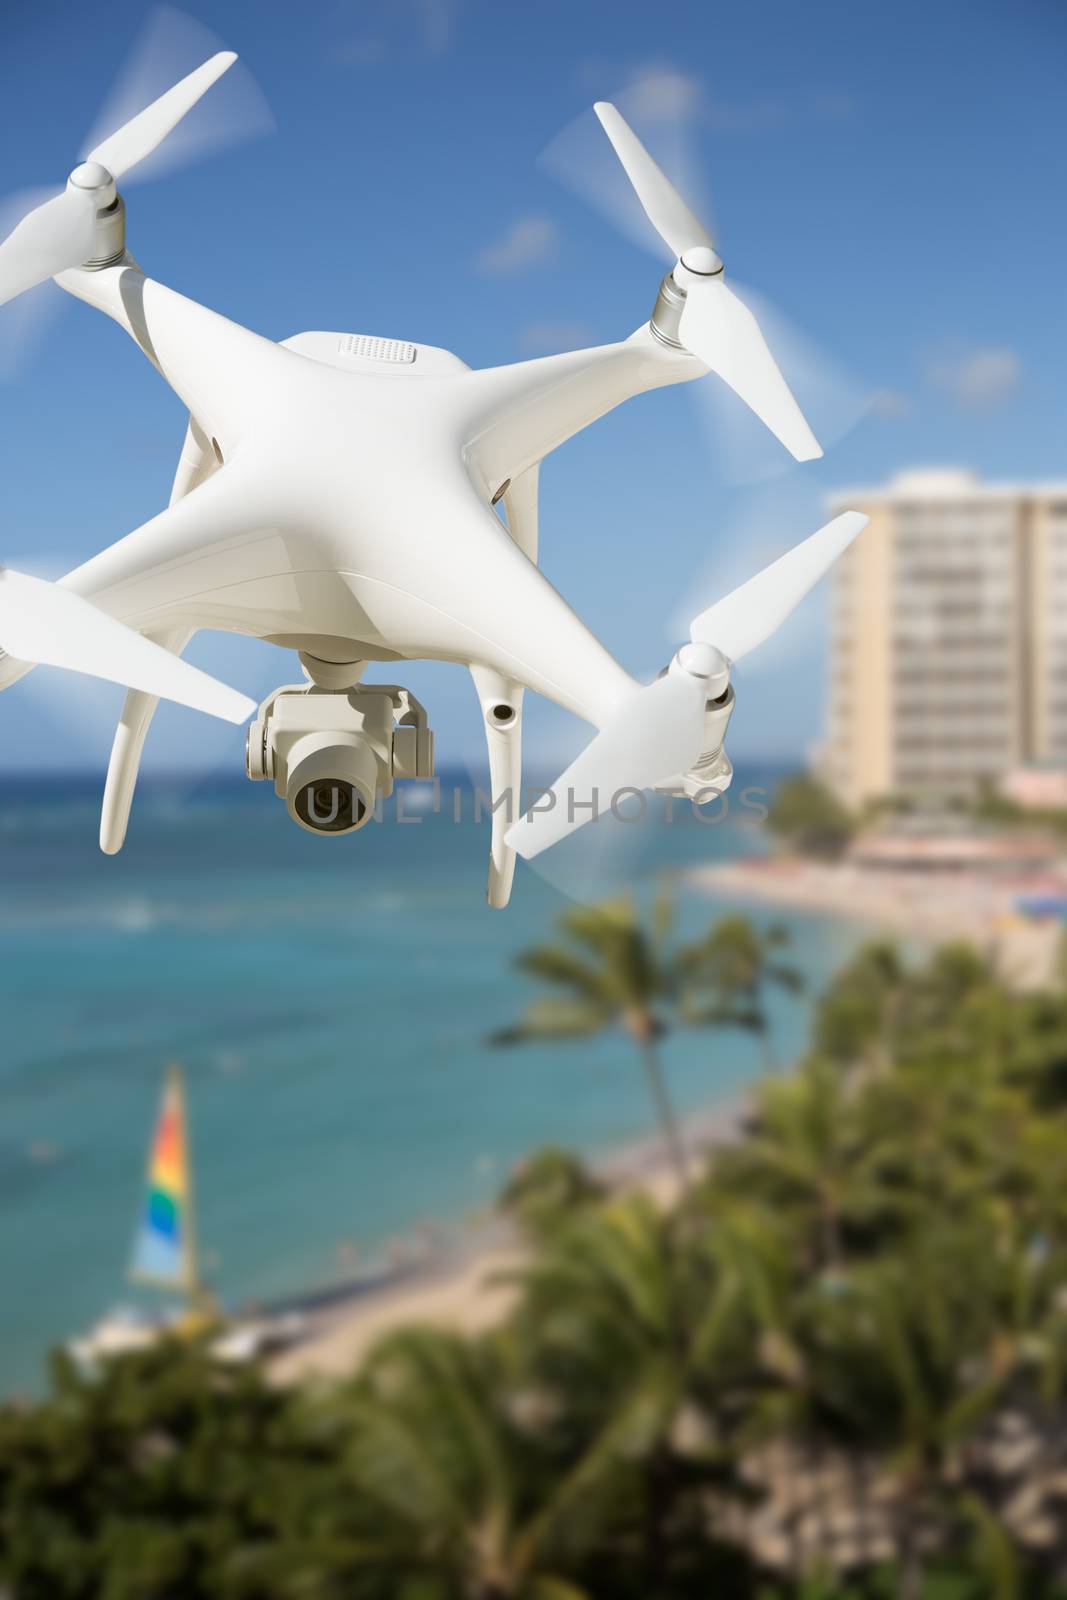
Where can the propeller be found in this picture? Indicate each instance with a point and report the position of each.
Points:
(60, 233)
(46, 625)
(715, 325)
(755, 610)
(658, 731)
(138, 138)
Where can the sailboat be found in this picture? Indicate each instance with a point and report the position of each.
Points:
(164, 1251)
(165, 1258)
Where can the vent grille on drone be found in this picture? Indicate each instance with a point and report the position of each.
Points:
(365, 348)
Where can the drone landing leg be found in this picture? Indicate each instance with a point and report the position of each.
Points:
(501, 702)
(125, 764)
(196, 463)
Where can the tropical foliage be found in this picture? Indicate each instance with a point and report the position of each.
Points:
(808, 817)
(607, 970)
(547, 1189)
(834, 1369)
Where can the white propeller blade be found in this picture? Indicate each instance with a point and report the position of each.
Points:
(51, 626)
(721, 330)
(59, 234)
(657, 732)
(742, 620)
(663, 205)
(715, 325)
(144, 132)
(49, 239)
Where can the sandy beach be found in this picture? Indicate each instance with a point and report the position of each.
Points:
(462, 1288)
(927, 907)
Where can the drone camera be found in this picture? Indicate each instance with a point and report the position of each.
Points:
(333, 756)
(332, 781)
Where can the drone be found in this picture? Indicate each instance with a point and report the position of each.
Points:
(340, 495)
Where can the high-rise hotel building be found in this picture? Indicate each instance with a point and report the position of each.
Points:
(949, 637)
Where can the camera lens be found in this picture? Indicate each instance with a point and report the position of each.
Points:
(331, 782)
(329, 806)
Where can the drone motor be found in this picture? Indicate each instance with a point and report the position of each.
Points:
(698, 263)
(109, 229)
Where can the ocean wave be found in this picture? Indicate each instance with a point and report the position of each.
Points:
(135, 915)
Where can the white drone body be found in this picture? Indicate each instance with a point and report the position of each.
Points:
(336, 496)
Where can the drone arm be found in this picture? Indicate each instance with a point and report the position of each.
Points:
(156, 577)
(523, 412)
(219, 369)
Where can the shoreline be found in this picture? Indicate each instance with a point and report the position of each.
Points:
(928, 907)
(458, 1279)
(461, 1288)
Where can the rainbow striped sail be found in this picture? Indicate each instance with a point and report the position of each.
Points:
(164, 1251)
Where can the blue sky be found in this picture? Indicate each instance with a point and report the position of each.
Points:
(889, 176)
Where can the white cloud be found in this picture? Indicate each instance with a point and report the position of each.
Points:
(656, 90)
(529, 242)
(889, 403)
(979, 379)
(834, 105)
(394, 24)
(548, 338)
(437, 20)
(366, 50)
(659, 92)
(746, 116)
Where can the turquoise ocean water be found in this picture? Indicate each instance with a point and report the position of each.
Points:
(329, 1001)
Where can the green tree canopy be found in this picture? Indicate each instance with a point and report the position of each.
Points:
(809, 818)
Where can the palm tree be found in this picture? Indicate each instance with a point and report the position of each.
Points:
(545, 1188)
(465, 1496)
(810, 819)
(856, 1016)
(877, 1011)
(609, 971)
(731, 968)
(917, 1355)
(815, 1157)
(630, 1332)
